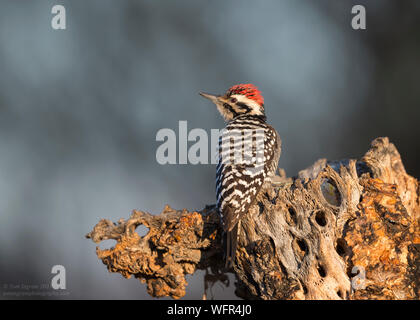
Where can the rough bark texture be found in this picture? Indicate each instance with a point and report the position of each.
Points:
(339, 230)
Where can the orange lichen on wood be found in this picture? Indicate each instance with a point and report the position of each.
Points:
(171, 249)
(300, 239)
(379, 239)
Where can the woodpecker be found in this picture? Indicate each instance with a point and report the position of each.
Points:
(249, 151)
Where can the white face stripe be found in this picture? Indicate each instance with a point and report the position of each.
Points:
(256, 109)
(226, 114)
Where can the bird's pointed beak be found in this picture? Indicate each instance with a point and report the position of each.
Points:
(211, 97)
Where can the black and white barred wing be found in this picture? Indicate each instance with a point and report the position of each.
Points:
(239, 179)
(237, 187)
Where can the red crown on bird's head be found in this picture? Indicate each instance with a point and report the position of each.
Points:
(248, 90)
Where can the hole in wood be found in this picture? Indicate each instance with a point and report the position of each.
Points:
(292, 216)
(341, 247)
(321, 219)
(283, 268)
(300, 247)
(142, 230)
(261, 206)
(330, 192)
(321, 271)
(305, 290)
(107, 244)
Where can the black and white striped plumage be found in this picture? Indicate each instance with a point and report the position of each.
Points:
(249, 150)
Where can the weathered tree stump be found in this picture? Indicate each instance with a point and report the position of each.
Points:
(339, 230)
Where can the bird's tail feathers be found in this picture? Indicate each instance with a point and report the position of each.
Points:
(231, 242)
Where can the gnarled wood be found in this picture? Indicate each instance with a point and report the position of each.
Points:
(301, 239)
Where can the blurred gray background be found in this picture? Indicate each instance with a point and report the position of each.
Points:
(80, 109)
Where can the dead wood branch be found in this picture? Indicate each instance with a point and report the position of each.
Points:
(305, 239)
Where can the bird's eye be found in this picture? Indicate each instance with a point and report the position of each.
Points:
(233, 100)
